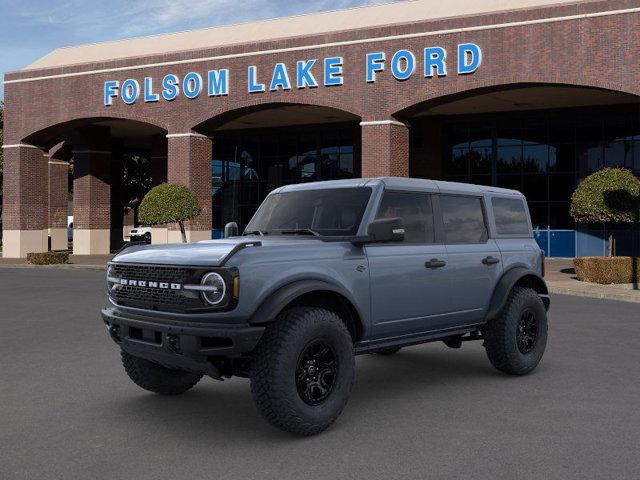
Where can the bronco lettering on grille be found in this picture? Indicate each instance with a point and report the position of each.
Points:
(150, 284)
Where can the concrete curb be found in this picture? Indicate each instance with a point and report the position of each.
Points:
(579, 291)
(68, 266)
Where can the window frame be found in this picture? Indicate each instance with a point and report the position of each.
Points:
(435, 210)
(494, 225)
(485, 218)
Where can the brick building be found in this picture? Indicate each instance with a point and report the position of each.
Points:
(527, 94)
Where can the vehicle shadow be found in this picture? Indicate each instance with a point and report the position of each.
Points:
(214, 409)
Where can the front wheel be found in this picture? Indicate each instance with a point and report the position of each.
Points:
(515, 341)
(303, 370)
(156, 378)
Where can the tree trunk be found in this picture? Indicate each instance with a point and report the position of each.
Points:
(610, 253)
(184, 235)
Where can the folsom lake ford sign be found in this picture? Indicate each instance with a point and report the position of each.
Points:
(309, 73)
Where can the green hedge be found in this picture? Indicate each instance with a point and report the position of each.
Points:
(611, 195)
(48, 258)
(607, 270)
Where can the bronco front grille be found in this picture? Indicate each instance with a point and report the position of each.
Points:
(155, 298)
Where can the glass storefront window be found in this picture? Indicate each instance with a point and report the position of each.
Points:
(544, 154)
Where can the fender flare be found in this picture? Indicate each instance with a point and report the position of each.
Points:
(280, 298)
(506, 283)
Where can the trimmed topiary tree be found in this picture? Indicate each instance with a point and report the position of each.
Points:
(169, 203)
(611, 195)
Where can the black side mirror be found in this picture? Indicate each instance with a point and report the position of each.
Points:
(386, 230)
(231, 230)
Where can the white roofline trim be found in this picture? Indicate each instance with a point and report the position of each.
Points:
(190, 134)
(58, 162)
(383, 122)
(336, 44)
(21, 145)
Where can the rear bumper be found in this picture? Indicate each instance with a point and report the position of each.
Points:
(186, 346)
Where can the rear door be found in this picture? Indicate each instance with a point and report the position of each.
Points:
(475, 263)
(409, 281)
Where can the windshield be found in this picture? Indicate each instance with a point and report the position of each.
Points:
(325, 212)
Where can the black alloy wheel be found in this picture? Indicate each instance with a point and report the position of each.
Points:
(316, 373)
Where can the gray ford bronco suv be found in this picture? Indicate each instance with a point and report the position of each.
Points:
(325, 271)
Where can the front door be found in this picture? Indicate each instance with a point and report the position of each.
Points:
(409, 279)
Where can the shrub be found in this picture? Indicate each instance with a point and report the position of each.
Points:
(48, 258)
(607, 270)
(169, 203)
(611, 195)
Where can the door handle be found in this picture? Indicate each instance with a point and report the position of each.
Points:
(490, 260)
(435, 263)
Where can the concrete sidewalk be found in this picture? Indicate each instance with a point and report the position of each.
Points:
(92, 262)
(561, 278)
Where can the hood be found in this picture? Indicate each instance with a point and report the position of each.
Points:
(209, 253)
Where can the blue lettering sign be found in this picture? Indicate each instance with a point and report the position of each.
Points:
(333, 71)
(149, 96)
(254, 87)
(218, 82)
(170, 87)
(110, 92)
(304, 77)
(403, 64)
(280, 78)
(469, 58)
(434, 59)
(192, 85)
(130, 91)
(375, 63)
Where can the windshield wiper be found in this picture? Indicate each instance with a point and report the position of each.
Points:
(300, 231)
(255, 232)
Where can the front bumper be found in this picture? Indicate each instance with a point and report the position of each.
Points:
(181, 345)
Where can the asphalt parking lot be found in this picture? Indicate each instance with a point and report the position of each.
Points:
(67, 409)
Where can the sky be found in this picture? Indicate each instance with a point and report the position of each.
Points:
(29, 29)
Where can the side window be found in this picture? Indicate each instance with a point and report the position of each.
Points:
(463, 219)
(415, 211)
(511, 216)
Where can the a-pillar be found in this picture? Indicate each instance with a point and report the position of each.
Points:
(92, 192)
(25, 211)
(189, 164)
(58, 192)
(385, 149)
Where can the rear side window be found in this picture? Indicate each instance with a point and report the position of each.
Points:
(415, 211)
(511, 216)
(463, 219)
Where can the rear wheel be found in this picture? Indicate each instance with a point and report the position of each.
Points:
(303, 370)
(156, 378)
(515, 341)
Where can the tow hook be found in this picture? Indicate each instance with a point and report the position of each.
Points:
(173, 343)
(114, 332)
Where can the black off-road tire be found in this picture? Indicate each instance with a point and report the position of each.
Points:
(509, 351)
(156, 378)
(276, 377)
(388, 351)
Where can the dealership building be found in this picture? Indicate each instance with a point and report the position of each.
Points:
(527, 94)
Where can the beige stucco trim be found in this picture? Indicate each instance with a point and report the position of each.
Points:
(17, 243)
(159, 235)
(174, 236)
(322, 45)
(58, 238)
(91, 242)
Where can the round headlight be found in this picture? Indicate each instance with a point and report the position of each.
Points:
(214, 288)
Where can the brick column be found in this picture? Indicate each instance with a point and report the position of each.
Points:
(58, 191)
(159, 233)
(92, 192)
(385, 149)
(189, 164)
(25, 211)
